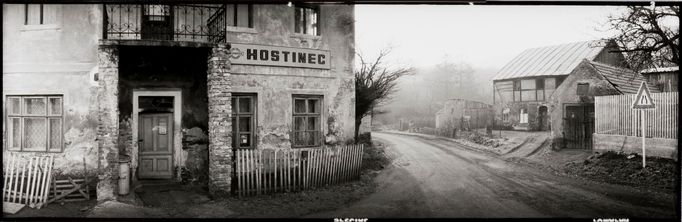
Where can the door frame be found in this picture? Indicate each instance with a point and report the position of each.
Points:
(177, 123)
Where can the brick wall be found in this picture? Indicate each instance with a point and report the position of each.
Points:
(107, 128)
(219, 122)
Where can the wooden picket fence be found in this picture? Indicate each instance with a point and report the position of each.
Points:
(27, 182)
(265, 171)
(613, 115)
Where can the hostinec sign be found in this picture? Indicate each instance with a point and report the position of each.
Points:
(249, 54)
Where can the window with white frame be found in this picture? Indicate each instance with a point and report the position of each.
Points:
(307, 20)
(40, 14)
(34, 123)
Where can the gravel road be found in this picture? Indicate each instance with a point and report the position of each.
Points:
(436, 178)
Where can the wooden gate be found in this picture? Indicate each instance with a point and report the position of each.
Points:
(579, 126)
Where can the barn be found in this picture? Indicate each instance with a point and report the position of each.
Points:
(523, 86)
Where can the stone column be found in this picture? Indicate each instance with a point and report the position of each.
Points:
(107, 128)
(219, 122)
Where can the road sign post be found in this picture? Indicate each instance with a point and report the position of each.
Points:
(643, 102)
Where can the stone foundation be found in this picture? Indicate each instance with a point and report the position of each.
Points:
(659, 147)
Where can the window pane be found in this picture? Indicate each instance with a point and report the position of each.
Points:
(311, 21)
(298, 20)
(234, 104)
(50, 13)
(541, 95)
(55, 106)
(229, 8)
(245, 124)
(159, 10)
(528, 95)
(33, 14)
(548, 93)
(244, 105)
(549, 83)
(299, 123)
(55, 133)
(313, 106)
(528, 84)
(15, 105)
(35, 132)
(313, 122)
(299, 106)
(243, 15)
(35, 106)
(311, 138)
(15, 130)
(517, 95)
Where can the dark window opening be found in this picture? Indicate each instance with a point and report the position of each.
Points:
(240, 15)
(34, 14)
(307, 130)
(243, 121)
(306, 20)
(583, 89)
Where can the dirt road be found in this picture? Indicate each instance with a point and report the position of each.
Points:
(437, 178)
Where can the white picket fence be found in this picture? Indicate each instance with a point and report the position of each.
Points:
(613, 115)
(264, 171)
(27, 182)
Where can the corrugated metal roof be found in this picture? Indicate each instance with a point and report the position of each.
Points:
(671, 69)
(625, 80)
(550, 60)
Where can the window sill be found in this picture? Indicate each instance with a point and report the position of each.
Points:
(40, 27)
(306, 36)
(238, 29)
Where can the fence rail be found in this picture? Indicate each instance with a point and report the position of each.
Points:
(613, 115)
(282, 170)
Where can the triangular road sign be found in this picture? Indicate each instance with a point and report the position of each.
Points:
(643, 99)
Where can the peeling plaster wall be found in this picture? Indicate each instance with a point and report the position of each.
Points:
(566, 94)
(59, 58)
(274, 86)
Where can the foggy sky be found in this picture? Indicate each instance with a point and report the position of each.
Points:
(487, 37)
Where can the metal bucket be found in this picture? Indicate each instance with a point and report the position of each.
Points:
(124, 176)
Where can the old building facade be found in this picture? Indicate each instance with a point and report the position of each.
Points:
(463, 114)
(522, 88)
(174, 89)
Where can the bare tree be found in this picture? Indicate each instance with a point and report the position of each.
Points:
(374, 83)
(648, 35)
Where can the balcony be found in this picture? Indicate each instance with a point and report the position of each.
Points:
(192, 23)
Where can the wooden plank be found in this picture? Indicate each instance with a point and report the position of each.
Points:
(11, 178)
(21, 185)
(31, 179)
(247, 172)
(238, 166)
(5, 168)
(42, 180)
(11, 208)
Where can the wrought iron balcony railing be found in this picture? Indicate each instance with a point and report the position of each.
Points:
(196, 23)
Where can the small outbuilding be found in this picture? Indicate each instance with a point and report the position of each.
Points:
(463, 114)
(572, 104)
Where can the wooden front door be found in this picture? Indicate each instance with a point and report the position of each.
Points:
(155, 142)
(579, 122)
